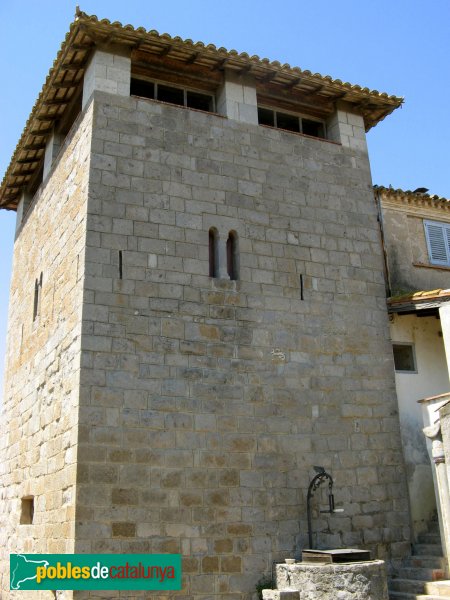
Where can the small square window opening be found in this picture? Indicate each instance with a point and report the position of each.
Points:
(404, 358)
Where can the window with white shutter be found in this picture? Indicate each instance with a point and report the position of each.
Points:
(438, 242)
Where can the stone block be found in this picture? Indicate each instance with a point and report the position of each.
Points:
(123, 529)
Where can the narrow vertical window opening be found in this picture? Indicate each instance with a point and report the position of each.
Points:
(120, 265)
(36, 300)
(27, 510)
(232, 256)
(37, 297)
(213, 252)
(301, 288)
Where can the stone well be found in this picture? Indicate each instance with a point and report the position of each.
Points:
(348, 581)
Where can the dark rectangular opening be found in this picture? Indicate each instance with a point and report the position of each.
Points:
(232, 256)
(199, 101)
(170, 94)
(72, 114)
(404, 359)
(144, 89)
(36, 181)
(266, 117)
(37, 297)
(313, 128)
(27, 510)
(289, 122)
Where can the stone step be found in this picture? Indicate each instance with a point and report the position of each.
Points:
(407, 586)
(427, 549)
(405, 596)
(280, 595)
(433, 525)
(438, 588)
(429, 538)
(429, 562)
(427, 597)
(422, 573)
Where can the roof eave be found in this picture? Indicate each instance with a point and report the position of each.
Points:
(373, 105)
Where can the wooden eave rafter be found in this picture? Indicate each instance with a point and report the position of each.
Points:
(56, 102)
(87, 32)
(191, 60)
(412, 306)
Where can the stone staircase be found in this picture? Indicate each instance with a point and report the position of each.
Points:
(421, 575)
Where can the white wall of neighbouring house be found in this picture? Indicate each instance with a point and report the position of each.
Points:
(430, 379)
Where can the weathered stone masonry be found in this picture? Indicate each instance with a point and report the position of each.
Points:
(205, 402)
(41, 399)
(176, 412)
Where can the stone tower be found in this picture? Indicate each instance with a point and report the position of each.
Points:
(197, 313)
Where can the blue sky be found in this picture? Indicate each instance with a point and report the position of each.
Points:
(397, 46)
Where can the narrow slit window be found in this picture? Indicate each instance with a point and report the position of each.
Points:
(27, 510)
(232, 256)
(37, 297)
(120, 265)
(213, 252)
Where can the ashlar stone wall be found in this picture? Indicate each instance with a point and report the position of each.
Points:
(39, 423)
(204, 403)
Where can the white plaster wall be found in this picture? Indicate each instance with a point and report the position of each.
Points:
(431, 379)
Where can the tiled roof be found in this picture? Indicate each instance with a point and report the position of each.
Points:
(86, 32)
(409, 195)
(421, 300)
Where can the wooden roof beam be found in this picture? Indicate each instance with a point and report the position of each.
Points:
(75, 66)
(81, 47)
(42, 132)
(336, 97)
(316, 90)
(44, 118)
(65, 84)
(220, 65)
(101, 38)
(192, 58)
(23, 173)
(25, 161)
(34, 146)
(271, 75)
(57, 102)
(246, 69)
(292, 83)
